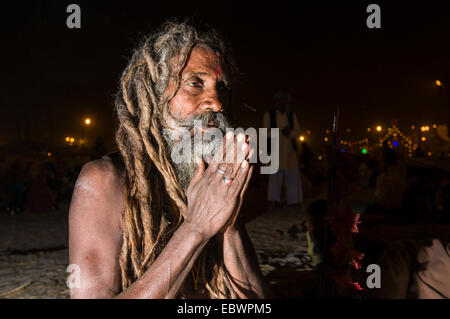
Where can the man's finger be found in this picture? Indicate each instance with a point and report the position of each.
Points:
(249, 177)
(241, 177)
(219, 156)
(242, 151)
(198, 173)
(236, 152)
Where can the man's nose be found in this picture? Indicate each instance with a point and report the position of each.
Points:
(212, 102)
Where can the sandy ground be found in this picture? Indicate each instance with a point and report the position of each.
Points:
(34, 254)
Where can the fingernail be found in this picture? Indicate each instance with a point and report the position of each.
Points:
(244, 164)
(229, 135)
(240, 137)
(244, 146)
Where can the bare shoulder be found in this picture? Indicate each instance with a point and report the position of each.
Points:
(99, 191)
(100, 172)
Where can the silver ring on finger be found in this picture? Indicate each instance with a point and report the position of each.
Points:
(227, 181)
(221, 172)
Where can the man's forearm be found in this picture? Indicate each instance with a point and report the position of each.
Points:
(242, 265)
(166, 275)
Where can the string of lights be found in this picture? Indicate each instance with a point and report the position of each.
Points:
(394, 137)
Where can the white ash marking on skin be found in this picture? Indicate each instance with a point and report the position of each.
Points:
(86, 186)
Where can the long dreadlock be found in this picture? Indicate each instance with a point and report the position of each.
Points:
(156, 205)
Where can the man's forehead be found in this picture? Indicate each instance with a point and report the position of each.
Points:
(205, 61)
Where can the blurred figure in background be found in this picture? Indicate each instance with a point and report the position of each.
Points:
(15, 185)
(99, 148)
(281, 116)
(414, 269)
(391, 183)
(41, 198)
(306, 159)
(364, 170)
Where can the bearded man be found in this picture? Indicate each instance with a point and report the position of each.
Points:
(142, 225)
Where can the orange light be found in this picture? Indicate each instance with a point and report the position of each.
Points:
(87, 121)
(302, 138)
(72, 140)
(438, 83)
(326, 139)
(379, 128)
(423, 138)
(67, 139)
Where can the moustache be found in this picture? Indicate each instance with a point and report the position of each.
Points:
(207, 120)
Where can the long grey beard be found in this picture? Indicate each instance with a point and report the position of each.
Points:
(206, 149)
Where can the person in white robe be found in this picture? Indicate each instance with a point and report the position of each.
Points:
(281, 116)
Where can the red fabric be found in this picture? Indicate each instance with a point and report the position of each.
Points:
(41, 198)
(343, 222)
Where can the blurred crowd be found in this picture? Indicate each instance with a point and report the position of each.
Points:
(40, 182)
(400, 187)
(36, 185)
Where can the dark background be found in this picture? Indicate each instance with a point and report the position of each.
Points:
(321, 52)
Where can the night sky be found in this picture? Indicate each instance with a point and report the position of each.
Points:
(322, 53)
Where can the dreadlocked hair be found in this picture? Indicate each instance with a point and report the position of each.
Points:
(155, 204)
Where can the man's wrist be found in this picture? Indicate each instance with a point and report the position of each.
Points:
(231, 232)
(190, 230)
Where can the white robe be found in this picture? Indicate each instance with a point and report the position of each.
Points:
(288, 156)
(289, 170)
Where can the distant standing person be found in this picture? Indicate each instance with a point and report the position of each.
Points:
(306, 160)
(392, 182)
(281, 116)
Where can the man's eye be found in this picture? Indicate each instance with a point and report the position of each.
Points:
(196, 83)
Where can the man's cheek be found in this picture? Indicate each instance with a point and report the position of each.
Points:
(178, 114)
(183, 111)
